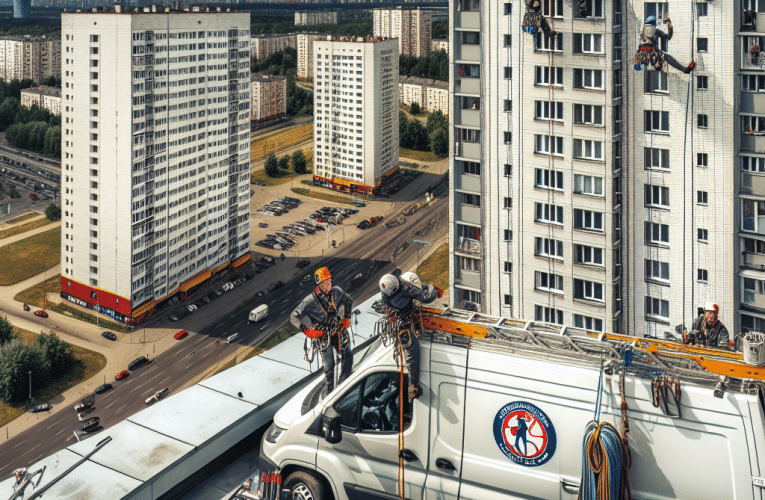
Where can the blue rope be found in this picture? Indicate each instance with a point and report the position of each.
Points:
(602, 463)
(599, 397)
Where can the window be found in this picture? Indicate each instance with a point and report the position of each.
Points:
(701, 44)
(657, 121)
(588, 43)
(617, 83)
(588, 323)
(656, 270)
(588, 184)
(94, 88)
(508, 235)
(588, 290)
(548, 315)
(753, 163)
(590, 79)
(471, 167)
(703, 235)
(546, 247)
(752, 287)
(617, 46)
(702, 159)
(702, 81)
(508, 300)
(657, 308)
(508, 267)
(588, 220)
(468, 264)
(656, 196)
(545, 75)
(656, 234)
(587, 114)
(753, 83)
(703, 275)
(656, 158)
(655, 82)
(508, 73)
(508, 105)
(467, 134)
(548, 179)
(548, 145)
(508, 40)
(93, 38)
(701, 9)
(752, 324)
(546, 43)
(377, 410)
(508, 202)
(588, 150)
(470, 199)
(508, 137)
(508, 170)
(548, 214)
(588, 8)
(545, 110)
(508, 9)
(552, 8)
(588, 256)
(753, 216)
(470, 38)
(702, 120)
(548, 282)
(702, 197)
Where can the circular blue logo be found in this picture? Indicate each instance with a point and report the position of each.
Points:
(524, 433)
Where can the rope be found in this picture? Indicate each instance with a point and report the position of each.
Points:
(401, 424)
(604, 474)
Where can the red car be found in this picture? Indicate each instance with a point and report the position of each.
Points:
(121, 375)
(180, 335)
(41, 313)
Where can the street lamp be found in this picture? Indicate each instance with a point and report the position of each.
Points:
(421, 244)
(30, 387)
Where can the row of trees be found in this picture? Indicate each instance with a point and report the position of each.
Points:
(440, 29)
(33, 129)
(48, 358)
(277, 63)
(284, 62)
(431, 137)
(271, 25)
(435, 65)
(277, 168)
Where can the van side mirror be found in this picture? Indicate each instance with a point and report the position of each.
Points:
(330, 426)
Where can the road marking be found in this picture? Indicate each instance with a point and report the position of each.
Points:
(19, 444)
(163, 380)
(53, 425)
(120, 408)
(264, 326)
(192, 364)
(59, 432)
(111, 404)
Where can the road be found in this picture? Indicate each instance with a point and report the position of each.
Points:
(370, 254)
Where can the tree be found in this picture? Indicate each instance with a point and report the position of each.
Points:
(14, 194)
(284, 162)
(439, 142)
(53, 212)
(414, 108)
(299, 163)
(8, 110)
(6, 331)
(272, 166)
(436, 120)
(57, 354)
(403, 130)
(418, 136)
(16, 360)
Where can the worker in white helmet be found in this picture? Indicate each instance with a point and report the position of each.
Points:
(708, 330)
(399, 296)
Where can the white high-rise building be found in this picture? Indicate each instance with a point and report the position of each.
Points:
(585, 192)
(155, 155)
(355, 112)
(305, 53)
(29, 58)
(412, 28)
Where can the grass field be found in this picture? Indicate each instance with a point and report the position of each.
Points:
(323, 196)
(34, 294)
(286, 175)
(419, 155)
(23, 228)
(436, 268)
(81, 315)
(30, 256)
(92, 363)
(280, 140)
(21, 218)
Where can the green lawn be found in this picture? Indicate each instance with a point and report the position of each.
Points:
(34, 294)
(332, 198)
(22, 218)
(30, 256)
(23, 228)
(436, 268)
(92, 363)
(419, 155)
(81, 315)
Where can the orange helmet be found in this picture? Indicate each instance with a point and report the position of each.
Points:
(321, 274)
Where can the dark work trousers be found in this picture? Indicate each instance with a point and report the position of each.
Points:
(411, 348)
(675, 64)
(328, 358)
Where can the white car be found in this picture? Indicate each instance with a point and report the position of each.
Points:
(192, 308)
(232, 338)
(157, 396)
(228, 287)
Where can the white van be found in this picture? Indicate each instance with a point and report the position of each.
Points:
(258, 313)
(464, 439)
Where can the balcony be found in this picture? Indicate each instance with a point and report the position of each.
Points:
(467, 213)
(754, 143)
(755, 261)
(470, 279)
(752, 184)
(753, 300)
(469, 150)
(468, 117)
(752, 102)
(468, 53)
(467, 85)
(467, 20)
(468, 246)
(468, 182)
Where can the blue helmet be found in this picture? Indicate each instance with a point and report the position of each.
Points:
(650, 20)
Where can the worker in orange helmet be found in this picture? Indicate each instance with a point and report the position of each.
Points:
(708, 330)
(324, 317)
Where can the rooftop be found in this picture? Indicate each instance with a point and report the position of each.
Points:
(256, 77)
(357, 39)
(42, 89)
(155, 9)
(425, 82)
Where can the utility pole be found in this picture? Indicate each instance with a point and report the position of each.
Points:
(421, 244)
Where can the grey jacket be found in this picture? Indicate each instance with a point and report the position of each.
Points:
(315, 310)
(402, 299)
(717, 336)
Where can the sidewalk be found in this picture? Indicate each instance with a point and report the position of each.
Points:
(28, 234)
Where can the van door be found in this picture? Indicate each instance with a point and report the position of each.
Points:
(368, 451)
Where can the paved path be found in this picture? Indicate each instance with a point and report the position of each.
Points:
(22, 236)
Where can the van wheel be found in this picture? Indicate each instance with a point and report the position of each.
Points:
(304, 486)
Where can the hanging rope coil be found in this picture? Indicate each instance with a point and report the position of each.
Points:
(604, 464)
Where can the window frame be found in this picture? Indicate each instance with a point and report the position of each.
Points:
(650, 231)
(543, 178)
(582, 145)
(655, 307)
(580, 112)
(580, 185)
(588, 219)
(545, 111)
(655, 196)
(657, 271)
(585, 255)
(588, 290)
(543, 313)
(582, 39)
(548, 282)
(650, 157)
(542, 247)
(543, 211)
(656, 121)
(584, 72)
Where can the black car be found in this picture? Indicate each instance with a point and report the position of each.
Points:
(137, 363)
(303, 263)
(275, 286)
(109, 335)
(363, 224)
(103, 388)
(214, 295)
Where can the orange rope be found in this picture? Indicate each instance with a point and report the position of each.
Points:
(401, 425)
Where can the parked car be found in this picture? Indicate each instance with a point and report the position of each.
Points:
(109, 335)
(34, 196)
(41, 313)
(81, 416)
(303, 263)
(137, 363)
(174, 317)
(228, 287)
(363, 224)
(181, 335)
(275, 286)
(214, 294)
(191, 308)
(232, 338)
(239, 281)
(121, 375)
(157, 396)
(263, 224)
(90, 424)
(42, 407)
(103, 388)
(85, 404)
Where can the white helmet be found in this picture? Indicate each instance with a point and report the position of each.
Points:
(412, 279)
(388, 284)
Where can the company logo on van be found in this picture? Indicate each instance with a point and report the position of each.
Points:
(525, 434)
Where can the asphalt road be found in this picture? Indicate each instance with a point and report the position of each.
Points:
(370, 254)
